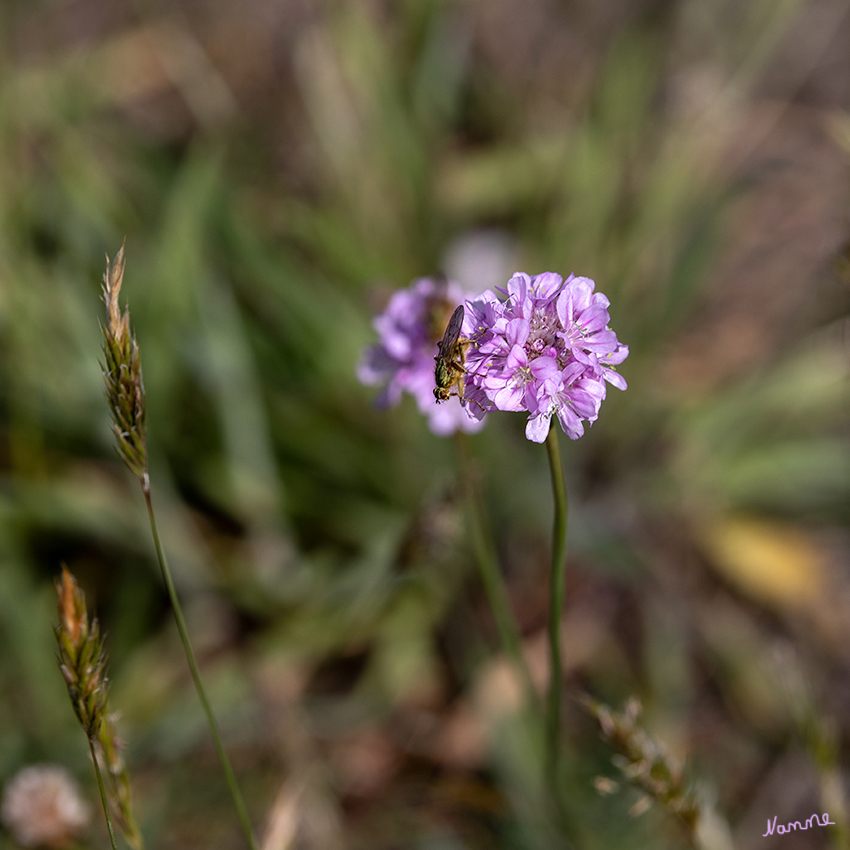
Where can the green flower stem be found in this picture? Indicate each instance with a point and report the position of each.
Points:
(556, 606)
(102, 796)
(196, 676)
(488, 568)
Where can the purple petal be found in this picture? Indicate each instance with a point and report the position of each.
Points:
(544, 367)
(537, 427)
(572, 371)
(546, 285)
(583, 405)
(570, 423)
(533, 400)
(517, 331)
(615, 358)
(593, 319)
(509, 398)
(518, 287)
(615, 379)
(517, 359)
(601, 344)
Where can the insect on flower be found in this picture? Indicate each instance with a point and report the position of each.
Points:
(450, 359)
(409, 330)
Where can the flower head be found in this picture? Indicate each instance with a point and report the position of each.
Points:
(547, 350)
(42, 807)
(403, 360)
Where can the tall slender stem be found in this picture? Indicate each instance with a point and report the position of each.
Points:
(102, 796)
(557, 578)
(488, 569)
(241, 811)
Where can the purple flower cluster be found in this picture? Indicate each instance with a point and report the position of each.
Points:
(545, 348)
(403, 361)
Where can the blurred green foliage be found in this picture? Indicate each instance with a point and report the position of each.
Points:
(315, 537)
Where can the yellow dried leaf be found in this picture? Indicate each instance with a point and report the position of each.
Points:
(773, 562)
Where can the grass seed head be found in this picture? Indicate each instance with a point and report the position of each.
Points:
(82, 658)
(122, 372)
(644, 761)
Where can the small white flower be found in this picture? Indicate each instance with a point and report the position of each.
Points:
(42, 807)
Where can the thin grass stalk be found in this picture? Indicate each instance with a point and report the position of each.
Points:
(125, 392)
(229, 776)
(557, 579)
(489, 569)
(102, 796)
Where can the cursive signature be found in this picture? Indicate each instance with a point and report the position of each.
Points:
(795, 825)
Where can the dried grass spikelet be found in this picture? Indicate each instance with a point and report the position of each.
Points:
(82, 659)
(118, 781)
(645, 762)
(122, 372)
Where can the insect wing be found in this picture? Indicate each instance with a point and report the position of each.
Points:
(448, 343)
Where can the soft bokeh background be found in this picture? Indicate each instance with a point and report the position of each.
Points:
(278, 168)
